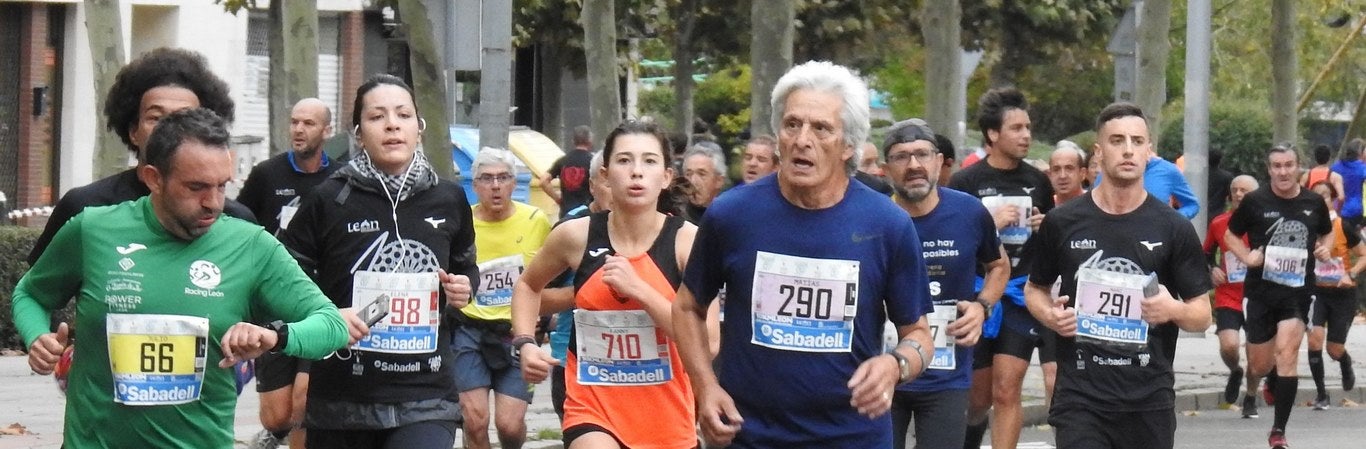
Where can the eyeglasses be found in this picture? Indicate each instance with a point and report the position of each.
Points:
(904, 157)
(494, 179)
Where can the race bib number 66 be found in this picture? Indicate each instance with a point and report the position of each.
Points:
(803, 304)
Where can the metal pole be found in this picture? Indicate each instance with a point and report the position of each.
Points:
(1196, 125)
(495, 87)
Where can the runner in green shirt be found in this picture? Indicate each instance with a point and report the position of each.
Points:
(166, 290)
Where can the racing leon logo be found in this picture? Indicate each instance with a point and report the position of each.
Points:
(205, 274)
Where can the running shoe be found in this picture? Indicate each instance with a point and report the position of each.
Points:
(1267, 396)
(1249, 407)
(1349, 377)
(1235, 382)
(265, 440)
(1321, 402)
(1277, 439)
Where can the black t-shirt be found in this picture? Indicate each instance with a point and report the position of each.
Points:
(274, 184)
(982, 180)
(1286, 224)
(572, 169)
(1152, 238)
(114, 189)
(874, 182)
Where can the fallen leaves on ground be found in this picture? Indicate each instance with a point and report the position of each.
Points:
(14, 429)
(1349, 403)
(1191, 413)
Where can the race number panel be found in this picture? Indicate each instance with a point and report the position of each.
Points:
(1234, 269)
(496, 278)
(1108, 307)
(1329, 272)
(1015, 233)
(803, 304)
(945, 358)
(620, 348)
(1285, 266)
(156, 359)
(414, 311)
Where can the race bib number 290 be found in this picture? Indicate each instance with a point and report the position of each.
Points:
(803, 304)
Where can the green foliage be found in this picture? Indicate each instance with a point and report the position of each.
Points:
(1060, 109)
(15, 244)
(1240, 129)
(903, 79)
(723, 99)
(1085, 139)
(853, 33)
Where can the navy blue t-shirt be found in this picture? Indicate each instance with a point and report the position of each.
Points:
(826, 281)
(958, 237)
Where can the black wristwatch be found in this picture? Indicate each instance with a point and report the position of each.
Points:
(281, 335)
(521, 340)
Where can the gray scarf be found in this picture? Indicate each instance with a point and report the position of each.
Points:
(419, 175)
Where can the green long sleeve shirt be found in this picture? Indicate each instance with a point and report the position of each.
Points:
(150, 310)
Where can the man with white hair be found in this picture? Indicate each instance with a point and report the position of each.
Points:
(1228, 273)
(508, 234)
(808, 308)
(1066, 169)
(705, 168)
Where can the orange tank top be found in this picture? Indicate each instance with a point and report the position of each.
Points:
(622, 372)
(1317, 175)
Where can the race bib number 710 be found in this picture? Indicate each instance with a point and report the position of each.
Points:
(803, 304)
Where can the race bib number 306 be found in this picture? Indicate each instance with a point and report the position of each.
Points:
(411, 309)
(802, 304)
(1285, 266)
(156, 359)
(1108, 307)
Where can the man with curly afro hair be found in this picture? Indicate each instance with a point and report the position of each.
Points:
(154, 85)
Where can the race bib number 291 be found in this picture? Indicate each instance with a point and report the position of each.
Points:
(804, 304)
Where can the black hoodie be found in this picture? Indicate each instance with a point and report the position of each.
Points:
(346, 225)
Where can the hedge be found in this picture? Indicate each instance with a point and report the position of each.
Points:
(15, 243)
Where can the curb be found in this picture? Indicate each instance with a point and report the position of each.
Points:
(1036, 414)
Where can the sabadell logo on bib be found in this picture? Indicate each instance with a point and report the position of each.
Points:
(205, 274)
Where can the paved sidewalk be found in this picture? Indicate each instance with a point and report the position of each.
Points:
(34, 402)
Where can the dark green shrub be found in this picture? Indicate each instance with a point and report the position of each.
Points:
(1241, 129)
(15, 243)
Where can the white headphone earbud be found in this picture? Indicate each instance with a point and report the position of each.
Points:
(355, 131)
(421, 124)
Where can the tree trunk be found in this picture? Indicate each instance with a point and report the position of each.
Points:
(686, 17)
(1012, 60)
(551, 71)
(600, 51)
(295, 24)
(102, 22)
(770, 56)
(1155, 20)
(942, 28)
(429, 79)
(1284, 64)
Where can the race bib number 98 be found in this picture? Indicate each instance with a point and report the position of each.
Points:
(803, 304)
(156, 359)
(411, 309)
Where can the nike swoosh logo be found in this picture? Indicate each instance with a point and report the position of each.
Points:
(597, 252)
(130, 249)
